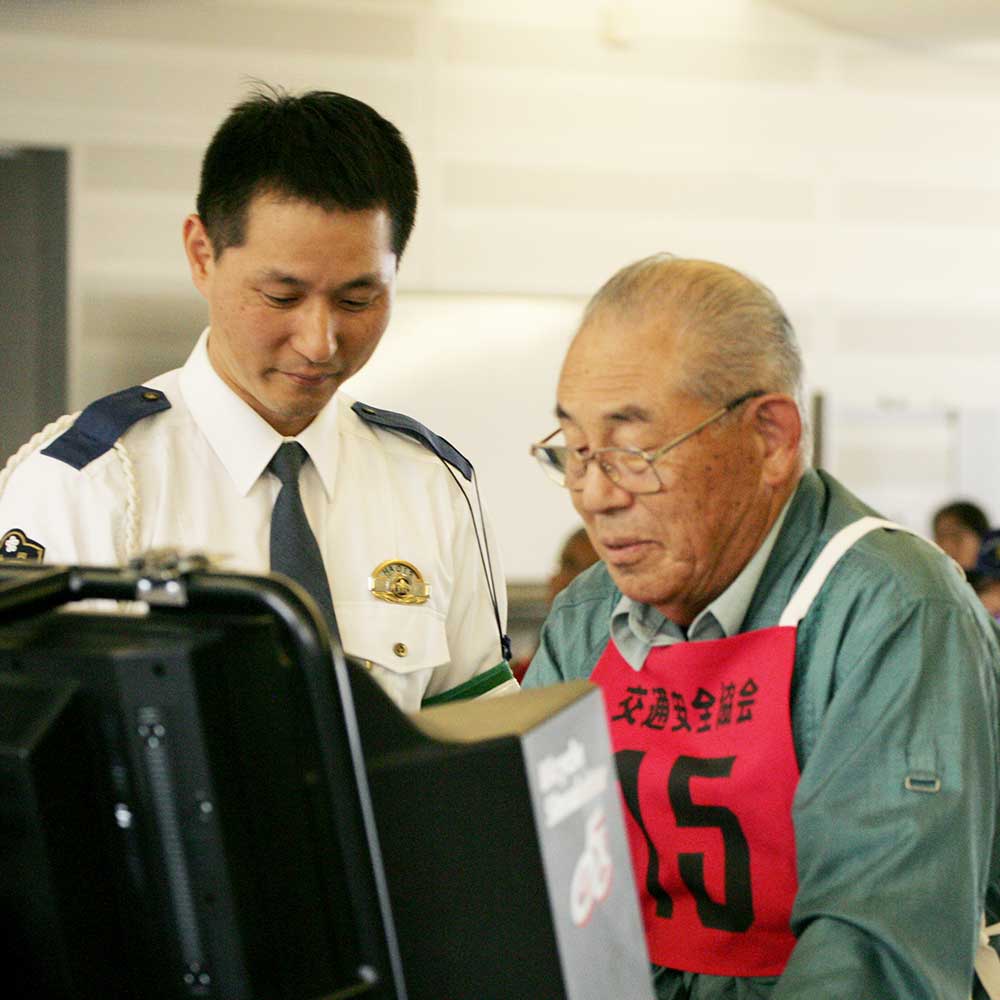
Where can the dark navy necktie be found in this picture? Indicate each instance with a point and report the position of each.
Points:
(294, 550)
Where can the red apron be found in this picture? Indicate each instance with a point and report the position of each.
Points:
(707, 768)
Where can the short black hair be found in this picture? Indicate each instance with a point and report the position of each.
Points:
(967, 514)
(329, 149)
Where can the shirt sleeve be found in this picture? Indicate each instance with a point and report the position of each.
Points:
(575, 632)
(71, 515)
(895, 810)
(476, 666)
(545, 667)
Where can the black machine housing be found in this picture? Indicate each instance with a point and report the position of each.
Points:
(183, 809)
(201, 797)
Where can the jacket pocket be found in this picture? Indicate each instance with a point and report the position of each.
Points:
(399, 644)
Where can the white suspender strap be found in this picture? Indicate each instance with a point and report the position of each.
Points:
(987, 961)
(807, 590)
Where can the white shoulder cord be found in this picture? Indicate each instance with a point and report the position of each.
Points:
(48, 434)
(131, 502)
(36, 441)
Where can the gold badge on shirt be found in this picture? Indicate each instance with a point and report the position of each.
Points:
(398, 582)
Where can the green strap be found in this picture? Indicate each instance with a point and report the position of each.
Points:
(474, 686)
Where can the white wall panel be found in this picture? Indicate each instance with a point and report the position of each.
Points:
(916, 262)
(582, 50)
(710, 194)
(881, 68)
(478, 247)
(631, 121)
(132, 232)
(145, 168)
(933, 128)
(906, 204)
(201, 82)
(330, 30)
(957, 332)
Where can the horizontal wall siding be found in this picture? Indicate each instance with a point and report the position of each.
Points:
(555, 142)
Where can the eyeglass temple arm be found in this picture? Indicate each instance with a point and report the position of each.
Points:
(710, 419)
(753, 394)
(739, 400)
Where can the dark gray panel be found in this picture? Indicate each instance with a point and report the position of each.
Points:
(32, 293)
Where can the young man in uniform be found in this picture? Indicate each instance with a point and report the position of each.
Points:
(801, 696)
(305, 207)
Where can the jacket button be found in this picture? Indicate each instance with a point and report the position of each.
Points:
(400, 649)
(151, 396)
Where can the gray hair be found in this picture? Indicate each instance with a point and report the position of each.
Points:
(737, 335)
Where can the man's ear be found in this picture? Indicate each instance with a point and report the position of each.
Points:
(778, 424)
(198, 248)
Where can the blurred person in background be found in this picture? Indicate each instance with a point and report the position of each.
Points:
(959, 528)
(576, 555)
(987, 573)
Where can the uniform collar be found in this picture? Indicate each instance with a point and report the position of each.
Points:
(242, 440)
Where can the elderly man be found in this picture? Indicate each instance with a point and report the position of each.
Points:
(801, 697)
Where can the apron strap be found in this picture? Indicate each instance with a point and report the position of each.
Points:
(987, 963)
(987, 960)
(810, 586)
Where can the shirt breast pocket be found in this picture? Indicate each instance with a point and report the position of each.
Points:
(400, 645)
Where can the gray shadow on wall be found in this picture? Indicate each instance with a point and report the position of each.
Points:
(33, 292)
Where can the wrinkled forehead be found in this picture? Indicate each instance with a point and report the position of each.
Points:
(619, 363)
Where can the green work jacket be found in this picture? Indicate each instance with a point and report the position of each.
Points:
(896, 671)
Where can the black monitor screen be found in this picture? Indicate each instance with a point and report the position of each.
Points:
(166, 830)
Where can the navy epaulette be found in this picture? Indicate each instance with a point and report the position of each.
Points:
(416, 430)
(102, 423)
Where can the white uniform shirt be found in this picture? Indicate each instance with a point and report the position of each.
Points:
(370, 496)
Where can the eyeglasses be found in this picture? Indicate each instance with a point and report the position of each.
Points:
(632, 469)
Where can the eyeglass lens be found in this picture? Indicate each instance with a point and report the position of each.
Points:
(625, 469)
